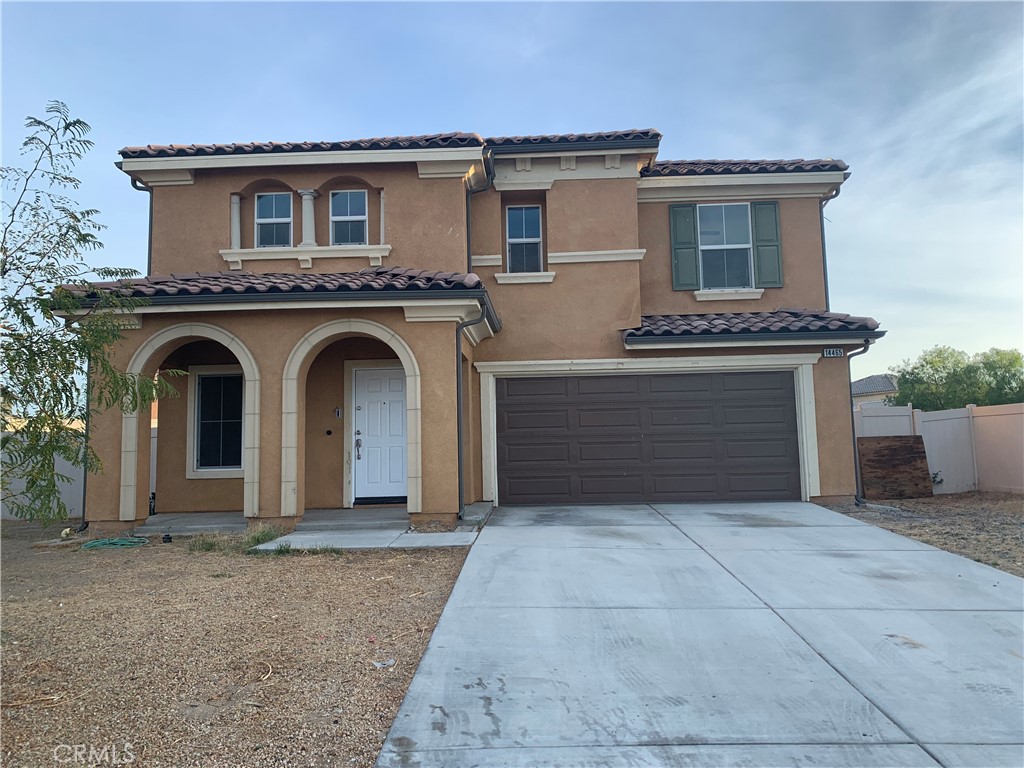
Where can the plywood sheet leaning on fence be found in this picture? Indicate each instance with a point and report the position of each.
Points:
(894, 467)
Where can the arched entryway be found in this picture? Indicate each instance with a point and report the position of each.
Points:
(294, 446)
(234, 359)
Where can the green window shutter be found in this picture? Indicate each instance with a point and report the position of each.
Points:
(685, 272)
(767, 248)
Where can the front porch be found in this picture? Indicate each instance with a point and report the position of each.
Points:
(290, 407)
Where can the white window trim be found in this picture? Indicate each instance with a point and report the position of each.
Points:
(749, 246)
(728, 294)
(306, 256)
(519, 278)
(364, 218)
(257, 220)
(510, 241)
(192, 471)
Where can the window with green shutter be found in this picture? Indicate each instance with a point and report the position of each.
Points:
(725, 246)
(685, 267)
(767, 249)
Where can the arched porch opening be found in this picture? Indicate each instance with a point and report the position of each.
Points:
(207, 444)
(336, 378)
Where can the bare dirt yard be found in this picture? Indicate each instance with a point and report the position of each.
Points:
(987, 527)
(167, 655)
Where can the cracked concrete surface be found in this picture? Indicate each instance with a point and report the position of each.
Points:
(715, 635)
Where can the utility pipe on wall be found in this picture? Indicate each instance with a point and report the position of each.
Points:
(832, 195)
(858, 497)
(149, 238)
(459, 385)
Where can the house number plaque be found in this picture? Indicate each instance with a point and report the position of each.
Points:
(833, 352)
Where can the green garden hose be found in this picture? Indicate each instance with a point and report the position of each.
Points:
(118, 542)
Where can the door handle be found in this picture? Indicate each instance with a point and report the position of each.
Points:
(359, 444)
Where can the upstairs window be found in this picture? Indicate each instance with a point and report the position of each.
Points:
(348, 217)
(725, 246)
(218, 427)
(274, 220)
(523, 229)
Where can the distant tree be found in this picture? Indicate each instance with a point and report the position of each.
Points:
(943, 377)
(52, 343)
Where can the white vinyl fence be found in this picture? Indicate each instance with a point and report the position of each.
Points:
(70, 492)
(972, 449)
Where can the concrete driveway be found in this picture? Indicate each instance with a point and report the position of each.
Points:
(776, 634)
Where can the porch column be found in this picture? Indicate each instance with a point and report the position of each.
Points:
(308, 221)
(236, 222)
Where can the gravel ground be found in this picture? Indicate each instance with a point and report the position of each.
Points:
(177, 658)
(987, 527)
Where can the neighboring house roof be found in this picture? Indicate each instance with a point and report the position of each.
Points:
(782, 323)
(636, 137)
(878, 384)
(724, 167)
(428, 141)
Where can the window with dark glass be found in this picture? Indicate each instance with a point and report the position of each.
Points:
(274, 220)
(725, 246)
(219, 421)
(524, 252)
(348, 217)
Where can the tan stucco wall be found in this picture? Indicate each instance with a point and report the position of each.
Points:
(586, 215)
(579, 315)
(270, 336)
(835, 426)
(803, 279)
(325, 391)
(592, 215)
(424, 219)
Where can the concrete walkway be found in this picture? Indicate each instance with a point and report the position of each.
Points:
(369, 528)
(777, 634)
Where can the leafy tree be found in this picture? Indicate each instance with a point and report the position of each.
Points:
(943, 377)
(53, 343)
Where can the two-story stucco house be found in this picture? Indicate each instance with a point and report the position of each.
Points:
(439, 320)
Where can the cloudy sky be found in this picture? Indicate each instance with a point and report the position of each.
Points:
(923, 100)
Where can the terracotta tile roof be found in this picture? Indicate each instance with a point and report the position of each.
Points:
(642, 136)
(429, 141)
(725, 167)
(781, 323)
(225, 284)
(878, 384)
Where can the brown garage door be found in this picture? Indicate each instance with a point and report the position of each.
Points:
(678, 437)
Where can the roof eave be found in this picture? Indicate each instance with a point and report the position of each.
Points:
(480, 294)
(752, 339)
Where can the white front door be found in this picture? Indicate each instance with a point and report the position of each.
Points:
(378, 442)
